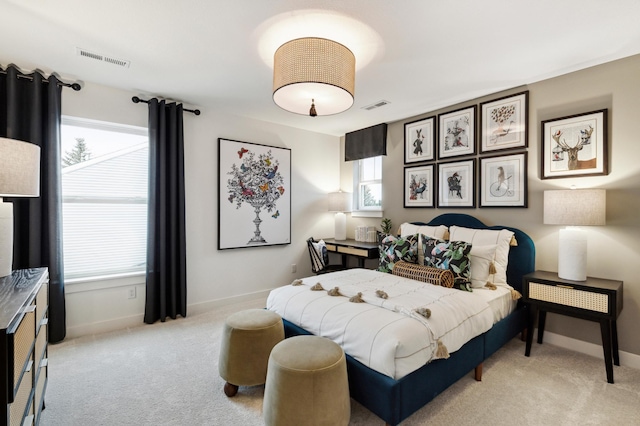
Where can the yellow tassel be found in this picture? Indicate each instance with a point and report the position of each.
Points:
(334, 292)
(490, 285)
(425, 312)
(296, 282)
(513, 242)
(357, 298)
(515, 294)
(381, 294)
(317, 287)
(442, 351)
(492, 268)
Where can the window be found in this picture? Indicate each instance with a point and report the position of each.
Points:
(104, 196)
(368, 184)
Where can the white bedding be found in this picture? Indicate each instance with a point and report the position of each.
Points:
(388, 335)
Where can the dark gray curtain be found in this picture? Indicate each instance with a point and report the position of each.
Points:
(30, 110)
(166, 278)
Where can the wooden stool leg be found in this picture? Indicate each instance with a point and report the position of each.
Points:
(230, 390)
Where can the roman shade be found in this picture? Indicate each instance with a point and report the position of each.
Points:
(366, 143)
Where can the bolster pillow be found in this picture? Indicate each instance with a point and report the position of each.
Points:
(427, 274)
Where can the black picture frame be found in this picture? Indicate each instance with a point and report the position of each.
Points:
(456, 184)
(504, 123)
(420, 140)
(419, 186)
(457, 133)
(504, 180)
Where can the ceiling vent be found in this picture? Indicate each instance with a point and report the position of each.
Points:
(103, 58)
(376, 105)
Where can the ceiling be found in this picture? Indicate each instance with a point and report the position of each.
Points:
(419, 55)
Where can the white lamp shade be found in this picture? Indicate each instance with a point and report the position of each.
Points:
(19, 169)
(575, 207)
(340, 201)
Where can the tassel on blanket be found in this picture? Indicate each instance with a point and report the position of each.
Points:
(515, 294)
(442, 351)
(425, 312)
(357, 298)
(490, 285)
(317, 287)
(492, 268)
(381, 294)
(513, 242)
(296, 282)
(334, 292)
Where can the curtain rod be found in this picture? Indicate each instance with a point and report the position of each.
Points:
(136, 100)
(74, 86)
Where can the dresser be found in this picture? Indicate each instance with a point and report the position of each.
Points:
(24, 300)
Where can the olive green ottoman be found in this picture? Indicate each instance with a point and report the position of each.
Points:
(247, 339)
(307, 384)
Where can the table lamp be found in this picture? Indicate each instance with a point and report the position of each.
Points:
(340, 202)
(19, 177)
(574, 207)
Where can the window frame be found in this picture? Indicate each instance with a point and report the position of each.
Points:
(359, 209)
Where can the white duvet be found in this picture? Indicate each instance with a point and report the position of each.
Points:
(387, 335)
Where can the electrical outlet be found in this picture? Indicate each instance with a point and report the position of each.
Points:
(294, 268)
(131, 293)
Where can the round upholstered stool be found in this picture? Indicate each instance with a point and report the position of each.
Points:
(247, 339)
(307, 384)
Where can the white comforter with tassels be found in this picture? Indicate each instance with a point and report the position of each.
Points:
(387, 335)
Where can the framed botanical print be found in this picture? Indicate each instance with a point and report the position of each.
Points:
(419, 186)
(457, 133)
(456, 184)
(254, 195)
(503, 181)
(419, 140)
(575, 145)
(504, 122)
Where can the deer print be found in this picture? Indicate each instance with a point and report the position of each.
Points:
(572, 151)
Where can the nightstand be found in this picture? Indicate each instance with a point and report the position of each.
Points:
(595, 299)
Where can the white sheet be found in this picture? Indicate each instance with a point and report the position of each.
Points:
(386, 335)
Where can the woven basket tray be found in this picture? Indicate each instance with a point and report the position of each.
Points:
(427, 274)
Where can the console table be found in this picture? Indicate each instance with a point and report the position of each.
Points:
(24, 301)
(358, 249)
(595, 299)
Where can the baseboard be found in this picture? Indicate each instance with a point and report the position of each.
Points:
(202, 307)
(626, 358)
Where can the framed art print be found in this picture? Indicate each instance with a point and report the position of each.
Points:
(419, 140)
(456, 184)
(419, 186)
(457, 133)
(503, 181)
(254, 195)
(575, 145)
(504, 122)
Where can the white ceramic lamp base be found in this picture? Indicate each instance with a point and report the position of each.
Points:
(572, 254)
(6, 238)
(340, 226)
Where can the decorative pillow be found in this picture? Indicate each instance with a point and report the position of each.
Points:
(440, 232)
(393, 249)
(451, 255)
(486, 237)
(482, 260)
(322, 259)
(426, 274)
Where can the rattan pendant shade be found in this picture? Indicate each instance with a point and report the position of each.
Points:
(314, 71)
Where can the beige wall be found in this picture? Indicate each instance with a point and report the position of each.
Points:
(214, 277)
(614, 250)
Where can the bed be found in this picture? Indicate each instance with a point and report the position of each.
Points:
(395, 396)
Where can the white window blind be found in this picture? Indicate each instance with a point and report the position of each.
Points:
(104, 196)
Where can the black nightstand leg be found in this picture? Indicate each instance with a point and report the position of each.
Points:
(614, 340)
(531, 320)
(605, 329)
(542, 319)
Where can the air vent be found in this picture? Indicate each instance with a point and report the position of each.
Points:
(103, 58)
(376, 105)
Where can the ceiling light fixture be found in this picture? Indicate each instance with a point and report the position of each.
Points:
(313, 76)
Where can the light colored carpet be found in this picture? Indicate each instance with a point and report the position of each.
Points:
(167, 374)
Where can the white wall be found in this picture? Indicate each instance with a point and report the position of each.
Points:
(213, 277)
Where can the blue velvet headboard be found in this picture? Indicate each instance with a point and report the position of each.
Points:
(522, 258)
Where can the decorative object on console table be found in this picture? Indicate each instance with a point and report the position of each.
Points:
(23, 345)
(594, 299)
(19, 177)
(574, 207)
(340, 202)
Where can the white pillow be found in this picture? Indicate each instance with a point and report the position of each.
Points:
(481, 258)
(487, 237)
(439, 232)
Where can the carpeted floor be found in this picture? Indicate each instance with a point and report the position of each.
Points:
(167, 374)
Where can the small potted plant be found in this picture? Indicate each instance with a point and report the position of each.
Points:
(386, 226)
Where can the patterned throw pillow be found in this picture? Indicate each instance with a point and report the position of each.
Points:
(452, 255)
(393, 249)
